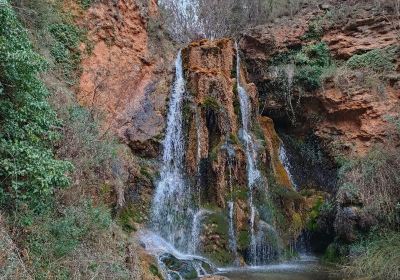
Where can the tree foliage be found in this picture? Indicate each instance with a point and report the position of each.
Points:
(28, 170)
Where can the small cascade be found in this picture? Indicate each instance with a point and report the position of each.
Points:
(175, 265)
(253, 174)
(196, 229)
(231, 216)
(287, 165)
(172, 209)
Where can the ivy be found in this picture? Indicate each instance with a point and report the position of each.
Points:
(29, 171)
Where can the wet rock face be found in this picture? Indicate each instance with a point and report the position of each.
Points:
(123, 77)
(215, 157)
(211, 115)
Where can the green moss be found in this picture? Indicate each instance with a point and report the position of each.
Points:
(131, 215)
(154, 270)
(234, 139)
(331, 254)
(144, 171)
(219, 256)
(214, 152)
(186, 111)
(312, 224)
(217, 224)
(244, 239)
(221, 222)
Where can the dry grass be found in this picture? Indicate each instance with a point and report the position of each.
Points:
(377, 258)
(376, 179)
(11, 264)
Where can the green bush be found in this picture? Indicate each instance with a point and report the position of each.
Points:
(86, 3)
(65, 48)
(311, 63)
(28, 170)
(376, 60)
(315, 30)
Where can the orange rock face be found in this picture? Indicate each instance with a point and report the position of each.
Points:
(212, 118)
(119, 76)
(365, 33)
(353, 116)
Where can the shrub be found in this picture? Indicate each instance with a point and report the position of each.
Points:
(376, 60)
(86, 3)
(375, 180)
(315, 30)
(310, 66)
(65, 48)
(377, 257)
(311, 63)
(79, 240)
(28, 170)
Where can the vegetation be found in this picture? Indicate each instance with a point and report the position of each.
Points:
(377, 257)
(78, 240)
(374, 179)
(42, 136)
(377, 60)
(310, 62)
(28, 169)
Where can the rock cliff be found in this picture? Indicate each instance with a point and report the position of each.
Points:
(352, 110)
(126, 76)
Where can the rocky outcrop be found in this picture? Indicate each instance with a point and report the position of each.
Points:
(212, 119)
(215, 157)
(350, 112)
(123, 78)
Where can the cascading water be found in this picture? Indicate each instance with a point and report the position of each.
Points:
(196, 229)
(287, 165)
(253, 174)
(171, 211)
(231, 211)
(176, 230)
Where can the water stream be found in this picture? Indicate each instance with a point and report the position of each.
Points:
(305, 268)
(253, 174)
(287, 165)
(231, 217)
(172, 209)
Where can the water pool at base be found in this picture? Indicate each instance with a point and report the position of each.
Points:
(306, 268)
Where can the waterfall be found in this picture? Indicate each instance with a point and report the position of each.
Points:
(231, 216)
(171, 210)
(287, 165)
(253, 174)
